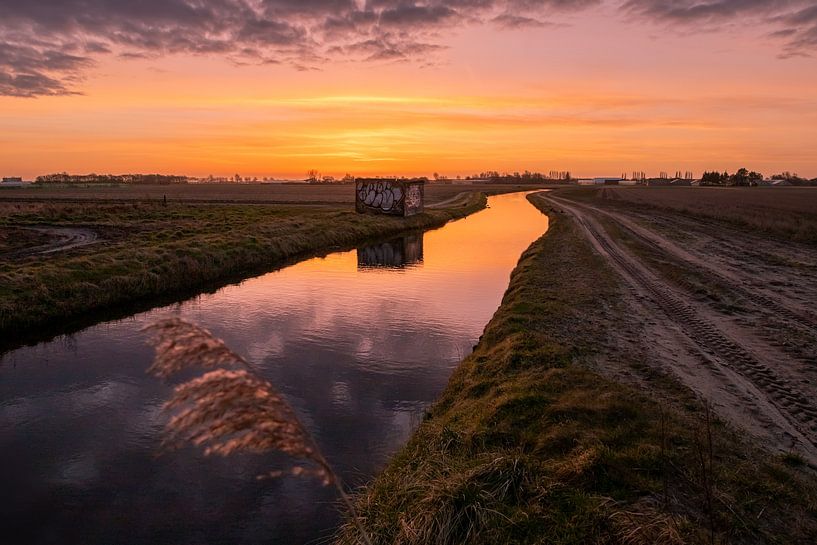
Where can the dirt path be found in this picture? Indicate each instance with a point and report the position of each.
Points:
(64, 238)
(458, 199)
(732, 361)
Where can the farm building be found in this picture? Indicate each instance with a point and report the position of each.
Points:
(11, 182)
(600, 181)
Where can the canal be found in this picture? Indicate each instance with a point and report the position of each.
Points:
(360, 342)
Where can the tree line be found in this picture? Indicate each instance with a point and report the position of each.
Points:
(134, 179)
(746, 178)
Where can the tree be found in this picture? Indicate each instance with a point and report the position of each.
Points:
(740, 178)
(714, 178)
(313, 175)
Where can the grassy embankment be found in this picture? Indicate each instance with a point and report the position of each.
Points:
(151, 254)
(529, 445)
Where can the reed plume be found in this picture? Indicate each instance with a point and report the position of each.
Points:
(229, 408)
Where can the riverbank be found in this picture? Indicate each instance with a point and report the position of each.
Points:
(552, 431)
(146, 254)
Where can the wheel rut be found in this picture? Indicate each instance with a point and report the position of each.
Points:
(766, 390)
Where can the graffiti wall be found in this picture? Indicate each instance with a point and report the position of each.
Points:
(396, 197)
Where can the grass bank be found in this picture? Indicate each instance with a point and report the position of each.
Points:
(528, 444)
(150, 254)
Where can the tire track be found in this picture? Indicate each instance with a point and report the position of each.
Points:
(801, 318)
(794, 406)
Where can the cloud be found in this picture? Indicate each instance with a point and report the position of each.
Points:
(793, 21)
(510, 21)
(301, 33)
(48, 46)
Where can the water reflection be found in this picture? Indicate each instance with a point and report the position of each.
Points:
(359, 352)
(396, 253)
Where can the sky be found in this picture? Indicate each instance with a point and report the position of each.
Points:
(401, 87)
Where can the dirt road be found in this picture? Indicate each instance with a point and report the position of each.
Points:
(727, 313)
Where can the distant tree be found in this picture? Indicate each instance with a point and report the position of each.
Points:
(714, 178)
(755, 178)
(313, 176)
(740, 178)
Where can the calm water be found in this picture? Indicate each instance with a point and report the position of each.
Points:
(360, 342)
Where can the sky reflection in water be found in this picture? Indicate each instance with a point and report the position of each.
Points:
(360, 342)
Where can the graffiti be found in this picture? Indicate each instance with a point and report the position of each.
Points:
(397, 197)
(414, 197)
(383, 195)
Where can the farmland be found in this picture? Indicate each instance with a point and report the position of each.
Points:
(787, 212)
(313, 194)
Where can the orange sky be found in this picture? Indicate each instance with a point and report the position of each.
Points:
(593, 96)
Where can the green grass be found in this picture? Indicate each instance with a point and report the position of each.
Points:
(529, 445)
(152, 253)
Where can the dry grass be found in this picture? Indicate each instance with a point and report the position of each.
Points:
(229, 408)
(788, 212)
(13, 239)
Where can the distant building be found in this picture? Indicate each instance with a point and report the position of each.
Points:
(600, 181)
(12, 182)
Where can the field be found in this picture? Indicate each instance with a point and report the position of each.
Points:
(68, 262)
(789, 212)
(231, 193)
(569, 425)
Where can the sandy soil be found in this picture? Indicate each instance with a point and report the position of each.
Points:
(755, 358)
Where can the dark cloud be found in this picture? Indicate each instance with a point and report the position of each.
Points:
(510, 21)
(302, 33)
(46, 46)
(793, 21)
